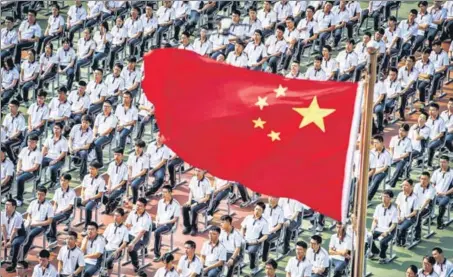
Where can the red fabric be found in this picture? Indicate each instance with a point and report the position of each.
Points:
(205, 110)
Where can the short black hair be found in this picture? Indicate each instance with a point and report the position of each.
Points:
(168, 258)
(427, 51)
(143, 200)
(44, 254)
(438, 250)
(414, 12)
(328, 47)
(94, 224)
(392, 18)
(12, 201)
(118, 150)
(82, 83)
(42, 189)
(168, 187)
(426, 173)
(405, 127)
(86, 118)
(63, 89)
(434, 105)
(409, 181)
(367, 34)
(413, 268)
(272, 263)
(236, 12)
(393, 69)
(9, 18)
(290, 18)
(140, 143)
(58, 124)
(191, 243)
(317, 238)
(437, 42)
(95, 164)
(215, 229)
(281, 28)
(430, 259)
(186, 33)
(261, 204)
(381, 31)
(318, 58)
(119, 65)
(422, 3)
(445, 157)
(388, 192)
(379, 138)
(302, 244)
(67, 176)
(73, 234)
(42, 93)
(33, 12)
(227, 218)
(120, 211)
(132, 59)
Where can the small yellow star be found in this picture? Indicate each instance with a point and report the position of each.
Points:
(280, 91)
(274, 135)
(262, 102)
(313, 114)
(259, 123)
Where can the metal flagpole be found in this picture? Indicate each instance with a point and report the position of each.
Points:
(362, 184)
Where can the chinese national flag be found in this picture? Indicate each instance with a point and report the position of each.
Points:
(280, 137)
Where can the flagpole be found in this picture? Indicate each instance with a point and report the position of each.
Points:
(362, 184)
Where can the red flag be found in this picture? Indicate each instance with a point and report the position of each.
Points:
(280, 137)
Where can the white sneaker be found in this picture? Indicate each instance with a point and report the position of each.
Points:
(19, 203)
(210, 217)
(388, 187)
(4, 199)
(319, 228)
(255, 271)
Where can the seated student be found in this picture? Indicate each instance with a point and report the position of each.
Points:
(408, 206)
(85, 50)
(400, 149)
(442, 181)
(199, 196)
(93, 246)
(115, 84)
(274, 215)
(104, 129)
(427, 267)
(221, 189)
(437, 135)
(66, 57)
(326, 23)
(59, 108)
(425, 68)
(39, 218)
(342, 15)
(95, 10)
(340, 248)
(8, 37)
(13, 232)
(276, 46)
(255, 230)
(442, 266)
(93, 186)
(29, 73)
(189, 264)
(299, 266)
(425, 193)
(419, 134)
(316, 72)
(318, 257)
(439, 58)
(149, 22)
(44, 267)
(139, 223)
(132, 77)
(158, 154)
(383, 162)
(103, 39)
(54, 29)
(202, 45)
(407, 77)
(38, 113)
(28, 164)
(385, 220)
(392, 38)
(168, 270)
(79, 142)
(75, 20)
(347, 61)
(7, 170)
(119, 33)
(54, 153)
(80, 103)
(145, 115)
(116, 237)
(374, 10)
(213, 254)
(14, 127)
(168, 213)
(127, 115)
(10, 80)
(28, 34)
(448, 119)
(63, 205)
(292, 210)
(409, 29)
(97, 91)
(231, 239)
(47, 65)
(116, 184)
(70, 257)
(138, 166)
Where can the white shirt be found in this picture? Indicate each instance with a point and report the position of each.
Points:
(55, 148)
(14, 124)
(442, 180)
(325, 20)
(80, 138)
(93, 186)
(13, 222)
(181, 9)
(126, 116)
(38, 113)
(383, 158)
(255, 53)
(167, 212)
(439, 59)
(162, 272)
(283, 10)
(30, 68)
(436, 126)
(7, 169)
(117, 173)
(199, 188)
(99, 40)
(405, 76)
(218, 40)
(408, 30)
(307, 28)
(255, 228)
(415, 131)
(29, 158)
(157, 154)
(400, 146)
(425, 68)
(95, 8)
(114, 84)
(8, 37)
(346, 60)
(357, 160)
(437, 14)
(329, 66)
(49, 271)
(187, 47)
(298, 268)
(290, 207)
(353, 8)
(96, 90)
(385, 217)
(424, 194)
(130, 77)
(139, 223)
(8, 77)
(40, 211)
(46, 62)
(133, 26)
(118, 34)
(64, 199)
(338, 245)
(237, 30)
(55, 23)
(148, 23)
(231, 240)
(274, 216)
(138, 163)
(341, 16)
(252, 25)
(85, 46)
(188, 268)
(94, 246)
(267, 18)
(202, 48)
(275, 45)
(291, 35)
(71, 259)
(76, 14)
(213, 253)
(319, 259)
(103, 123)
(65, 57)
(165, 15)
(448, 119)
(391, 35)
(443, 269)
(315, 75)
(28, 31)
(59, 109)
(115, 235)
(145, 102)
(407, 204)
(235, 60)
(392, 88)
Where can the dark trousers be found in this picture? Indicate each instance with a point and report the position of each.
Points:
(9, 145)
(432, 146)
(44, 40)
(160, 31)
(158, 232)
(375, 15)
(134, 253)
(132, 43)
(171, 169)
(402, 230)
(72, 31)
(178, 23)
(243, 192)
(267, 245)
(112, 201)
(26, 88)
(89, 207)
(159, 176)
(418, 42)
(123, 136)
(231, 268)
(350, 28)
(383, 244)
(32, 234)
(375, 182)
(83, 156)
(91, 269)
(216, 201)
(253, 251)
(79, 64)
(43, 79)
(21, 179)
(323, 37)
(19, 47)
(114, 53)
(418, 227)
(54, 169)
(435, 84)
(70, 74)
(339, 267)
(273, 63)
(422, 85)
(136, 184)
(59, 217)
(399, 167)
(99, 144)
(6, 96)
(190, 214)
(379, 111)
(442, 202)
(293, 225)
(98, 56)
(449, 141)
(35, 132)
(144, 46)
(15, 246)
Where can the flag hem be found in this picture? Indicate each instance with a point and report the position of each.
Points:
(350, 152)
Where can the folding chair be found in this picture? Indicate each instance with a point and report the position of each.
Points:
(410, 238)
(427, 219)
(143, 252)
(204, 212)
(35, 179)
(96, 212)
(171, 233)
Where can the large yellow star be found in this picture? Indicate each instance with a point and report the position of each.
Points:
(259, 123)
(280, 91)
(313, 114)
(262, 102)
(274, 135)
